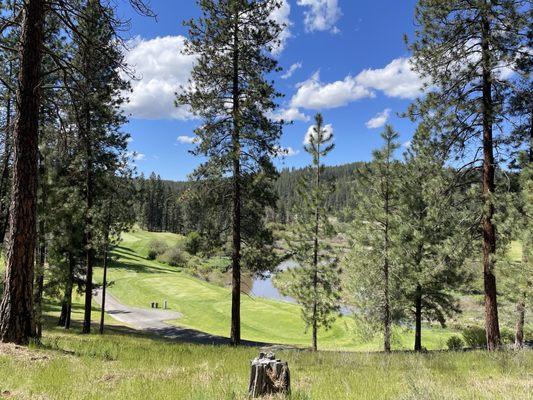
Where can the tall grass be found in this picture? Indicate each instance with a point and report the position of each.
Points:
(118, 366)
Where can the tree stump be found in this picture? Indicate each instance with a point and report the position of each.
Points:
(269, 376)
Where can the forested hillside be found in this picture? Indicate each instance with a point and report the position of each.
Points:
(164, 205)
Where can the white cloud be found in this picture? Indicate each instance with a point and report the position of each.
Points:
(397, 79)
(311, 132)
(285, 152)
(321, 15)
(379, 120)
(281, 16)
(187, 139)
(407, 144)
(136, 156)
(161, 68)
(313, 94)
(291, 70)
(289, 115)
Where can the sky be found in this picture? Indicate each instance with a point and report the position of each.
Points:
(344, 58)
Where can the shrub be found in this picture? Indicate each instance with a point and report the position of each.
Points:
(474, 336)
(507, 336)
(156, 248)
(174, 256)
(455, 343)
(193, 243)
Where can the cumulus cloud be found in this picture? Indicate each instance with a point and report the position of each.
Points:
(289, 115)
(291, 70)
(396, 79)
(379, 120)
(321, 15)
(187, 139)
(281, 16)
(313, 94)
(311, 132)
(160, 68)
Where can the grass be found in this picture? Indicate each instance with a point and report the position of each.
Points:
(137, 281)
(125, 366)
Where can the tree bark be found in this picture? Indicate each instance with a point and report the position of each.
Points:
(386, 267)
(41, 256)
(520, 319)
(418, 318)
(16, 309)
(4, 177)
(104, 283)
(315, 245)
(236, 221)
(489, 232)
(66, 303)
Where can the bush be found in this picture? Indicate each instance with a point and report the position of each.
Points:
(156, 248)
(455, 343)
(474, 337)
(174, 256)
(193, 243)
(507, 336)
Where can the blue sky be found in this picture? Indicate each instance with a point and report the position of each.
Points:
(348, 58)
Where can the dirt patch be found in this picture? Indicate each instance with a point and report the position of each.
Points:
(21, 353)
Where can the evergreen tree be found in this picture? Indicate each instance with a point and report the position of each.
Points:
(432, 240)
(315, 282)
(370, 262)
(231, 95)
(98, 117)
(461, 48)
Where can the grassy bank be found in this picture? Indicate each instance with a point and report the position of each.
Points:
(118, 366)
(137, 281)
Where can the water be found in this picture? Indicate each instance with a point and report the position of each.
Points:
(265, 287)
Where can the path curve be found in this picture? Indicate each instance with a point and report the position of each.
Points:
(153, 321)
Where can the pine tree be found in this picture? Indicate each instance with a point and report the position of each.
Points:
(370, 262)
(97, 100)
(315, 282)
(462, 48)
(432, 240)
(231, 95)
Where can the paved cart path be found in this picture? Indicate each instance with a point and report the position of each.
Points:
(153, 321)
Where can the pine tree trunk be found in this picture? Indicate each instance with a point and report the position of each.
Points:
(489, 231)
(386, 299)
(418, 318)
(40, 282)
(520, 319)
(104, 283)
(89, 254)
(41, 256)
(236, 222)
(315, 248)
(16, 309)
(66, 303)
(4, 177)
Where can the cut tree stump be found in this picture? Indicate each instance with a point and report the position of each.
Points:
(269, 376)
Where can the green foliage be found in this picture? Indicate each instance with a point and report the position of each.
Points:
(475, 337)
(193, 243)
(315, 281)
(156, 248)
(455, 343)
(174, 256)
(370, 283)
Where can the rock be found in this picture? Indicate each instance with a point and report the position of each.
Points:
(268, 376)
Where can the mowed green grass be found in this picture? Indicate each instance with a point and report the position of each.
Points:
(120, 366)
(137, 281)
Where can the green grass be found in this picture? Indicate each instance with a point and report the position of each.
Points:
(120, 366)
(137, 281)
